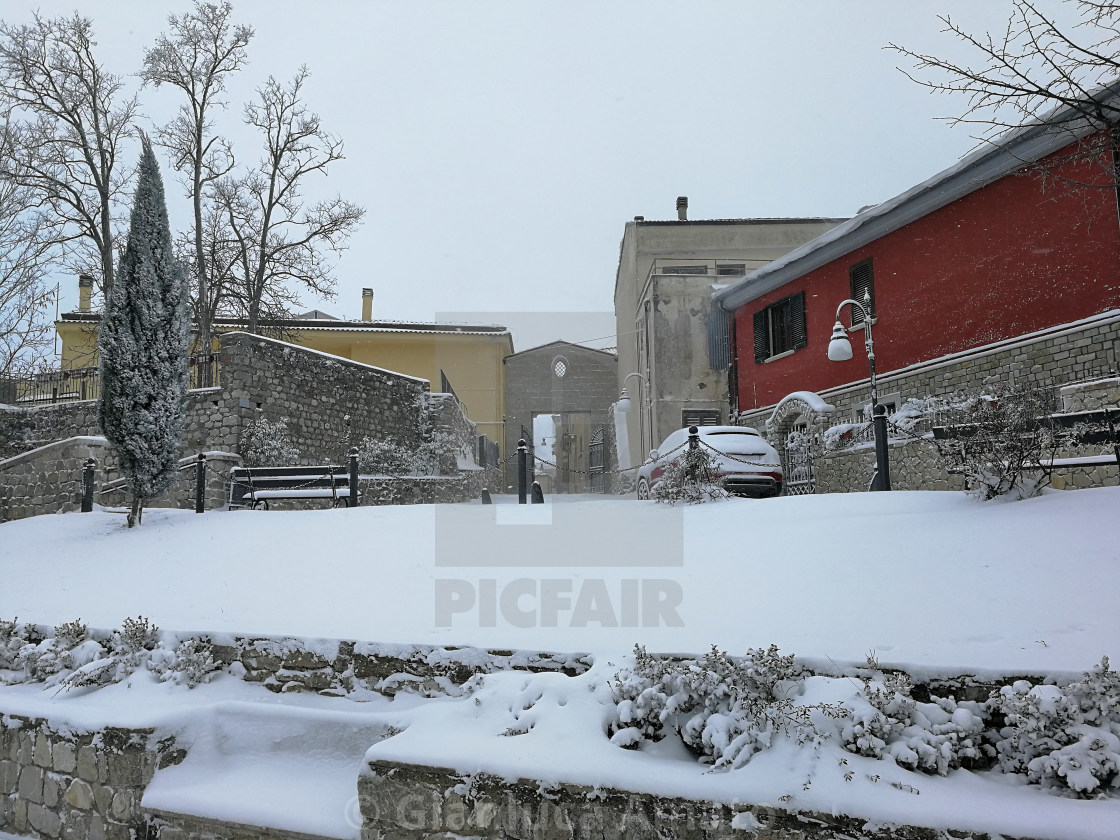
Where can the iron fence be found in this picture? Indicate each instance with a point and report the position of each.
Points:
(59, 386)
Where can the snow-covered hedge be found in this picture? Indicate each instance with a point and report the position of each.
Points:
(71, 658)
(1067, 739)
(724, 710)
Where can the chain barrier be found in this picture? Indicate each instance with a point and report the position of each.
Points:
(733, 458)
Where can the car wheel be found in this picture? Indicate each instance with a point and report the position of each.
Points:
(643, 489)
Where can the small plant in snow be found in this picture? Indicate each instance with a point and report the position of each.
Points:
(437, 454)
(265, 443)
(930, 737)
(1001, 443)
(1064, 739)
(723, 710)
(691, 477)
(191, 663)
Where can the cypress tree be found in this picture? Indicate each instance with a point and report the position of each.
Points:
(143, 347)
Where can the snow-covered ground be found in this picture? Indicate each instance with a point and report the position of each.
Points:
(933, 581)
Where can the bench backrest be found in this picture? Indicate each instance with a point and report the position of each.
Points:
(244, 480)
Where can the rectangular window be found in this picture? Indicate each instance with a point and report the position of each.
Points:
(699, 417)
(731, 269)
(861, 278)
(684, 269)
(780, 327)
(719, 337)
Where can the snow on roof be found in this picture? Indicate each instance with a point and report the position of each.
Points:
(992, 161)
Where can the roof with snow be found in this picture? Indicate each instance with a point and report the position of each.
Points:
(1006, 154)
(331, 324)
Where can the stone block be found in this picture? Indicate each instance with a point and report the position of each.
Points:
(52, 789)
(79, 795)
(9, 777)
(126, 805)
(31, 784)
(44, 820)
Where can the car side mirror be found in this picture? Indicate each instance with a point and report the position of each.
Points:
(654, 455)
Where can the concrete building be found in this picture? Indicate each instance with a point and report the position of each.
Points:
(673, 346)
(558, 398)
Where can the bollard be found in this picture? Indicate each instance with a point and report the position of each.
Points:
(87, 485)
(538, 494)
(693, 445)
(486, 497)
(522, 474)
(200, 484)
(352, 501)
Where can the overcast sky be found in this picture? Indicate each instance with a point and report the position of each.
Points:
(500, 147)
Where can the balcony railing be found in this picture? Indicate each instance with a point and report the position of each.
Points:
(59, 386)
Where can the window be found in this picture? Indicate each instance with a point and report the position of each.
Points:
(684, 269)
(699, 417)
(719, 337)
(731, 269)
(861, 278)
(892, 402)
(780, 328)
(560, 367)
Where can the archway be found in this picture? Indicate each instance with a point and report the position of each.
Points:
(796, 450)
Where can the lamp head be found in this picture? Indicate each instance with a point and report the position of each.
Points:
(839, 348)
(624, 401)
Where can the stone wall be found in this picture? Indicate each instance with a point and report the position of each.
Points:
(589, 384)
(48, 479)
(1079, 362)
(181, 494)
(410, 802)
(60, 783)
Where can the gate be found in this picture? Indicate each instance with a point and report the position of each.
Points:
(596, 462)
(797, 464)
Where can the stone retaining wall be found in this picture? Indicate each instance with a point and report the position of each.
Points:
(410, 802)
(57, 783)
(48, 479)
(1078, 364)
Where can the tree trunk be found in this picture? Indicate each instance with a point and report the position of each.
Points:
(136, 513)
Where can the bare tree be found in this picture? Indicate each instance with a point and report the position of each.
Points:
(1037, 70)
(24, 294)
(280, 238)
(201, 50)
(70, 120)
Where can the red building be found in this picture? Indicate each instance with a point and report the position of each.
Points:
(984, 260)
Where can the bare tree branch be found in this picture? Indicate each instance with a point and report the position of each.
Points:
(70, 119)
(1037, 71)
(202, 49)
(283, 240)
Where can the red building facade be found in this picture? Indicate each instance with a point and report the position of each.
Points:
(978, 255)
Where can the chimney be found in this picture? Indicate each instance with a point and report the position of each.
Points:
(682, 209)
(367, 304)
(85, 289)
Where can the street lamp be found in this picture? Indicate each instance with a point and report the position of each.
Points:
(840, 350)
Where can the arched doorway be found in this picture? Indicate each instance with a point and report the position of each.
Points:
(792, 430)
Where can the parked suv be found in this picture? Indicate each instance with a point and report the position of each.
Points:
(746, 464)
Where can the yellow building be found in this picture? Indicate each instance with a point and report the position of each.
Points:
(463, 358)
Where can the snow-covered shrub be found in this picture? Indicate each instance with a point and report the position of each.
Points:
(192, 662)
(724, 710)
(265, 443)
(691, 477)
(931, 737)
(13, 636)
(1066, 739)
(999, 445)
(436, 454)
(69, 648)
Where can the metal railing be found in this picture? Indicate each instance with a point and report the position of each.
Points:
(59, 386)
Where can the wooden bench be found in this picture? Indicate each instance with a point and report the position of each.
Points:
(255, 487)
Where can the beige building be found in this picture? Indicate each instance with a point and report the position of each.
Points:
(463, 358)
(674, 350)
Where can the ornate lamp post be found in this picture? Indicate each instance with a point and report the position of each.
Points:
(840, 350)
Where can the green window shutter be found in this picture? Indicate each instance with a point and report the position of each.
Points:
(797, 320)
(761, 335)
